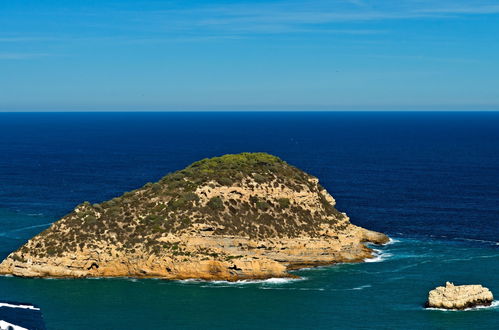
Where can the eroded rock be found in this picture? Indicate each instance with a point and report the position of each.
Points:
(453, 296)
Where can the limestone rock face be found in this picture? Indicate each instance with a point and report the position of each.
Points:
(453, 296)
(235, 217)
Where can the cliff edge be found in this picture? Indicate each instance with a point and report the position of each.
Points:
(235, 217)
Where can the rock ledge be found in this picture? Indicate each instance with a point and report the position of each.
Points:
(459, 296)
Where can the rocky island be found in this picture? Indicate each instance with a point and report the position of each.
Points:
(235, 217)
(459, 297)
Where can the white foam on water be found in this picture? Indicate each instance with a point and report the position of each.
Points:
(280, 280)
(392, 241)
(378, 256)
(19, 306)
(273, 280)
(190, 280)
(290, 289)
(362, 287)
(476, 240)
(494, 305)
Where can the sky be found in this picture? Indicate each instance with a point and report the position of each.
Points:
(105, 55)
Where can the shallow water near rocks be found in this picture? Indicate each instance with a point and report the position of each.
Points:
(428, 180)
(385, 294)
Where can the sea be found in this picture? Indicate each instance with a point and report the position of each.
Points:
(429, 180)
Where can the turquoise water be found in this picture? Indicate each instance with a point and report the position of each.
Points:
(388, 294)
(428, 180)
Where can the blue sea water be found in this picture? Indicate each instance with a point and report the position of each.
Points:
(429, 180)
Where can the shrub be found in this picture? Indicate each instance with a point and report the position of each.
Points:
(262, 205)
(225, 181)
(177, 203)
(216, 203)
(177, 176)
(283, 202)
(18, 258)
(90, 220)
(259, 178)
(51, 251)
(192, 197)
(152, 218)
(128, 194)
(155, 187)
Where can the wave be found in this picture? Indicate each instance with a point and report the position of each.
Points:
(494, 305)
(273, 280)
(392, 241)
(431, 237)
(470, 258)
(277, 280)
(290, 289)
(476, 240)
(362, 287)
(24, 228)
(19, 306)
(31, 227)
(379, 256)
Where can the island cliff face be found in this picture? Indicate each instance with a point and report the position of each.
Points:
(235, 217)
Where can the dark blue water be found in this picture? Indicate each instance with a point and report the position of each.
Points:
(429, 180)
(22, 315)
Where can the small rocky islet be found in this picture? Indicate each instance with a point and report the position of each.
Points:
(234, 217)
(459, 297)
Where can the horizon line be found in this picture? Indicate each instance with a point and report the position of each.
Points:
(247, 110)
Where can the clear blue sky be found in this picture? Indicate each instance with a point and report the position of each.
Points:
(262, 55)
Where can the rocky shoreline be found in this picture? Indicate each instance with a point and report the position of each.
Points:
(258, 263)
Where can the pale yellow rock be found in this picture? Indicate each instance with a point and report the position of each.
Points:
(453, 296)
(255, 263)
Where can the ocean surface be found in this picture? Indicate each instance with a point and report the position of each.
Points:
(429, 180)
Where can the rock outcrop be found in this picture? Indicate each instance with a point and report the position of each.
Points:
(245, 216)
(453, 296)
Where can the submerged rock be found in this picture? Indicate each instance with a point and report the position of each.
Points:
(453, 296)
(245, 216)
